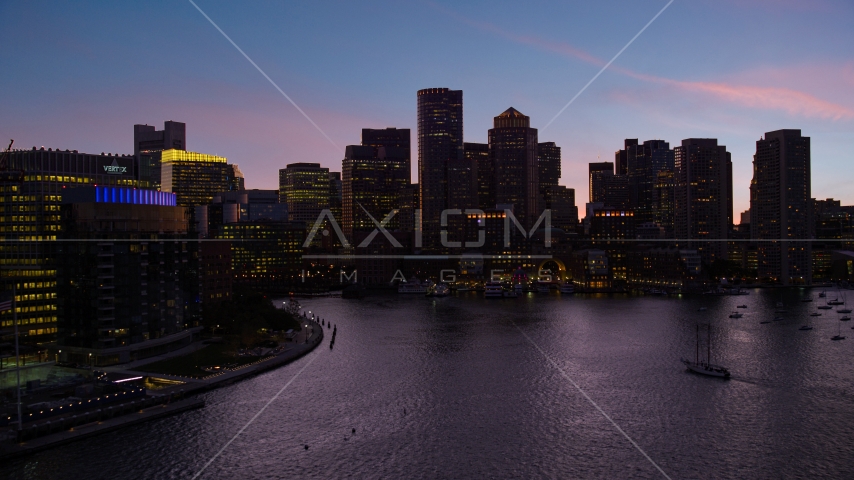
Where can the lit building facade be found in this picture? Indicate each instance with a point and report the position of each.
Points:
(304, 187)
(194, 177)
(149, 142)
(371, 180)
(703, 197)
(781, 207)
(440, 142)
(265, 255)
(30, 222)
(513, 154)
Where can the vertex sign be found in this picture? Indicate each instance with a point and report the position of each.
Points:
(114, 168)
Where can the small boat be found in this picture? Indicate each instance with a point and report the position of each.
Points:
(805, 327)
(815, 314)
(567, 287)
(702, 309)
(837, 337)
(509, 294)
(806, 299)
(519, 288)
(493, 290)
(706, 368)
(822, 294)
(765, 321)
(438, 290)
(825, 307)
(736, 315)
(845, 318)
(778, 318)
(836, 302)
(844, 310)
(742, 306)
(779, 304)
(413, 285)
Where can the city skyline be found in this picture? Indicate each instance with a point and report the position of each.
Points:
(741, 88)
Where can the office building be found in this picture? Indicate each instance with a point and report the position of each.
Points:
(133, 293)
(391, 137)
(781, 207)
(664, 203)
(703, 197)
(644, 163)
(304, 187)
(478, 155)
(625, 157)
(597, 171)
(194, 177)
(30, 221)
(266, 255)
(239, 206)
(513, 154)
(371, 181)
(148, 142)
(440, 142)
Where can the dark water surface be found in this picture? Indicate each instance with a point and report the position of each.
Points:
(481, 401)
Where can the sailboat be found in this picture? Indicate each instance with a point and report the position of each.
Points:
(705, 368)
(807, 325)
(838, 335)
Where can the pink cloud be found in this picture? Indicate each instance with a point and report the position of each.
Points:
(794, 102)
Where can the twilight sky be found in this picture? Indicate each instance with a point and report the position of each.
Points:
(79, 75)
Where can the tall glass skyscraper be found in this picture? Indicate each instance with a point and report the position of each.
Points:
(440, 142)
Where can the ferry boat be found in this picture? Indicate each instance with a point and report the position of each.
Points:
(493, 290)
(438, 290)
(567, 287)
(706, 368)
(414, 286)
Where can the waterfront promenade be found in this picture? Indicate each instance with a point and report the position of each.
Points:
(41, 435)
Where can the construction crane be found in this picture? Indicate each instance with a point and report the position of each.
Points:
(7, 175)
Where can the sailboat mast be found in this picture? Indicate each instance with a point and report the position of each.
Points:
(709, 345)
(698, 344)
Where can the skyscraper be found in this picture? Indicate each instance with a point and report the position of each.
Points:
(305, 188)
(371, 179)
(623, 158)
(644, 164)
(703, 196)
(194, 177)
(148, 142)
(31, 222)
(596, 172)
(398, 138)
(780, 207)
(440, 141)
(478, 155)
(513, 152)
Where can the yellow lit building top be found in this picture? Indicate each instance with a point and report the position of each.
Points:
(179, 156)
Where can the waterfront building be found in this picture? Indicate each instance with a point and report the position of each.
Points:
(662, 267)
(304, 187)
(440, 143)
(30, 222)
(266, 255)
(561, 201)
(590, 270)
(148, 142)
(215, 276)
(703, 197)
(548, 164)
(513, 154)
(133, 293)
(781, 207)
(194, 177)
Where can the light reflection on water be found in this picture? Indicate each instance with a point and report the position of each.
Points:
(449, 388)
